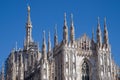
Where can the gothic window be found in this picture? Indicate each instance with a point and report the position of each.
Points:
(85, 71)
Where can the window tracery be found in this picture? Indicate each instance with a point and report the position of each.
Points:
(85, 71)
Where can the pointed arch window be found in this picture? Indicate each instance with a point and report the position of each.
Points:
(85, 71)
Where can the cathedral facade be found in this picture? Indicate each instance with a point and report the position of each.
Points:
(71, 59)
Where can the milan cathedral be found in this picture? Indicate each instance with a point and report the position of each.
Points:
(83, 58)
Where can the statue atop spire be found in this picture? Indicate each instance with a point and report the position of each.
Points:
(65, 30)
(29, 20)
(28, 28)
(72, 35)
(99, 37)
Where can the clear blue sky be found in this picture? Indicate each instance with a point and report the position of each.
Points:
(46, 13)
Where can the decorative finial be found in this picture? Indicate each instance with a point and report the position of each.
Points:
(49, 35)
(106, 39)
(98, 20)
(98, 25)
(99, 36)
(105, 19)
(65, 30)
(65, 15)
(29, 20)
(71, 19)
(105, 27)
(65, 21)
(105, 22)
(72, 35)
(43, 36)
(16, 46)
(55, 29)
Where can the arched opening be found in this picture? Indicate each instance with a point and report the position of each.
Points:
(85, 71)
